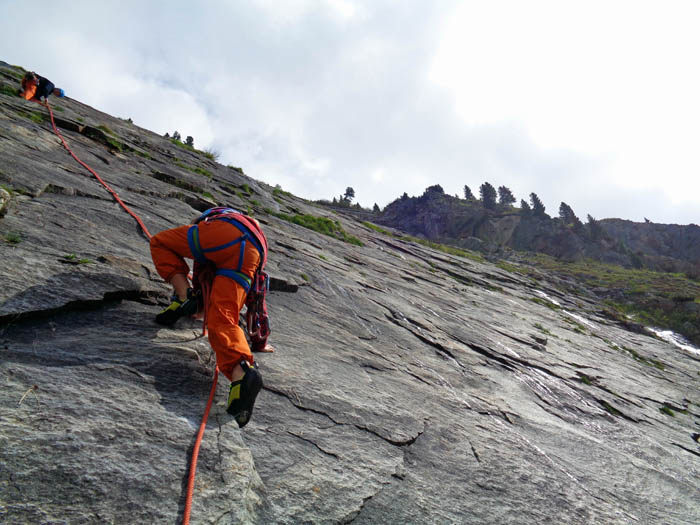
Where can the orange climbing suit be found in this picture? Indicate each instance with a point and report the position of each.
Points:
(29, 88)
(169, 249)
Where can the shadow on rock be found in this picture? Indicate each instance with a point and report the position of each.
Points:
(119, 339)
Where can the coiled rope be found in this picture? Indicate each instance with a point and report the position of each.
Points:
(203, 424)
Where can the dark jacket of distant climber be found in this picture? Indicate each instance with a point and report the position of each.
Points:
(35, 87)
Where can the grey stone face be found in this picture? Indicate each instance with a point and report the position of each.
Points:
(408, 385)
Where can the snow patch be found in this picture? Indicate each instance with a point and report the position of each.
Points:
(675, 339)
(545, 296)
(579, 318)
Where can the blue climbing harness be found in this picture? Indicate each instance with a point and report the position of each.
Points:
(247, 236)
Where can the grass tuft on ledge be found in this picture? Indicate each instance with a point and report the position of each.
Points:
(321, 225)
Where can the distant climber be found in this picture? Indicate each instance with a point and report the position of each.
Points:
(35, 87)
(230, 250)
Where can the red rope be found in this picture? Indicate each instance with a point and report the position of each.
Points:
(206, 289)
(203, 424)
(195, 452)
(107, 187)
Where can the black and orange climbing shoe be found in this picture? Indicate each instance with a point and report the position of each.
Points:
(242, 394)
(177, 309)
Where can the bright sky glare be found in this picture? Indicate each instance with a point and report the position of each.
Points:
(591, 103)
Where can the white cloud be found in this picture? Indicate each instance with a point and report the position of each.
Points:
(593, 104)
(609, 80)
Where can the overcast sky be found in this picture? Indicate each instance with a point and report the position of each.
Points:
(596, 104)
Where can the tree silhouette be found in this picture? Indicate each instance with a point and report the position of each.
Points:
(594, 229)
(568, 217)
(176, 135)
(505, 196)
(468, 195)
(537, 206)
(434, 189)
(349, 194)
(189, 141)
(488, 195)
(525, 209)
(376, 208)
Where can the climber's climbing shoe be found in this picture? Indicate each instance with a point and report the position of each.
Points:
(177, 309)
(242, 394)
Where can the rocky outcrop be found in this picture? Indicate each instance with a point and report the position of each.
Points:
(4, 201)
(663, 244)
(408, 385)
(443, 218)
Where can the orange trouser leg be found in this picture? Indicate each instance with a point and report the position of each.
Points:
(225, 335)
(169, 249)
(227, 296)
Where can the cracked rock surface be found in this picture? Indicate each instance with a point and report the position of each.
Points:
(408, 385)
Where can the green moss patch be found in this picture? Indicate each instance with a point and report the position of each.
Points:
(14, 74)
(321, 225)
(542, 329)
(9, 91)
(610, 409)
(115, 143)
(199, 171)
(666, 410)
(586, 380)
(143, 154)
(210, 154)
(74, 259)
(645, 294)
(376, 228)
(576, 327)
(106, 130)
(641, 359)
(452, 250)
(34, 116)
(508, 267)
(444, 248)
(278, 191)
(544, 302)
(13, 238)
(204, 172)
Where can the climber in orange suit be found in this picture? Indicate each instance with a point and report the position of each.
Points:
(35, 87)
(233, 251)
